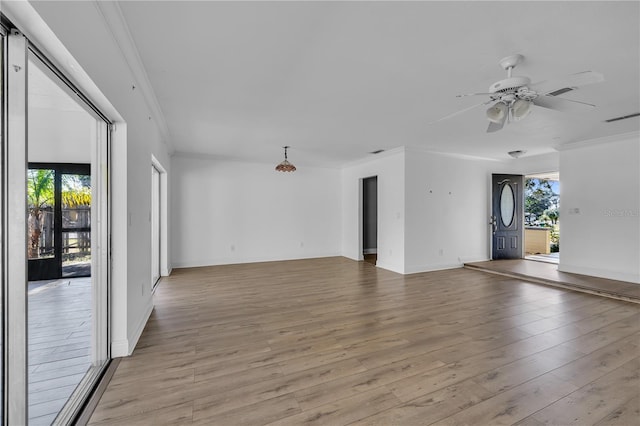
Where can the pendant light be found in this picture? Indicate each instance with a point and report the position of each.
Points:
(285, 166)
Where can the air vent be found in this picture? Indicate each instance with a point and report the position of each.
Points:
(560, 91)
(377, 151)
(624, 117)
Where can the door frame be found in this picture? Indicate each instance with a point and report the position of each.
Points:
(17, 51)
(14, 224)
(361, 213)
(164, 216)
(365, 209)
(59, 170)
(155, 226)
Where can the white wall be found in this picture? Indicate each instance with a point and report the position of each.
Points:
(60, 136)
(389, 168)
(88, 40)
(60, 129)
(600, 210)
(528, 165)
(234, 212)
(447, 205)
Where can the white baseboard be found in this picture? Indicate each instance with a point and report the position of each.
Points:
(432, 267)
(124, 347)
(389, 267)
(119, 348)
(234, 261)
(600, 273)
(133, 340)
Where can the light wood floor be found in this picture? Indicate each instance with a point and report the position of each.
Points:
(336, 342)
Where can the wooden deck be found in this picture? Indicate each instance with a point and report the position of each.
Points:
(59, 344)
(547, 273)
(336, 342)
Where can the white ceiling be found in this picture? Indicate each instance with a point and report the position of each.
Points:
(337, 80)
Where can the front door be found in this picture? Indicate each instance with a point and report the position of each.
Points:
(507, 217)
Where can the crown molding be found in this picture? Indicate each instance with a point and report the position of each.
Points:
(116, 23)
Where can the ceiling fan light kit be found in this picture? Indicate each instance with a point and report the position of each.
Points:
(497, 112)
(514, 96)
(520, 109)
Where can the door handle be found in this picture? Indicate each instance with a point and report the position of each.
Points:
(493, 221)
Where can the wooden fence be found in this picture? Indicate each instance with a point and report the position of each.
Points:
(76, 237)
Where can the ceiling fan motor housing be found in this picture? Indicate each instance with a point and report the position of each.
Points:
(510, 84)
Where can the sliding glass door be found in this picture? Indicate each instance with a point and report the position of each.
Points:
(14, 226)
(54, 240)
(2, 221)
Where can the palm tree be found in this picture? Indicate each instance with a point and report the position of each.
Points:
(40, 193)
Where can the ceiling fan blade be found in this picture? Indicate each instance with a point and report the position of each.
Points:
(460, 112)
(494, 127)
(561, 104)
(568, 82)
(464, 95)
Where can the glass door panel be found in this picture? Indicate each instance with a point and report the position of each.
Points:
(76, 225)
(63, 327)
(53, 329)
(2, 232)
(41, 227)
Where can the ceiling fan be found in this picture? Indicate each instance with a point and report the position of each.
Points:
(513, 97)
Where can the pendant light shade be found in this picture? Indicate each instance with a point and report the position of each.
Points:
(285, 166)
(497, 112)
(520, 109)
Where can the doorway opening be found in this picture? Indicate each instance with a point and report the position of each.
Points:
(370, 219)
(155, 226)
(542, 217)
(159, 226)
(59, 221)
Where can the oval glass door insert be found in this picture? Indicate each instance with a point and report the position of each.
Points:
(507, 205)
